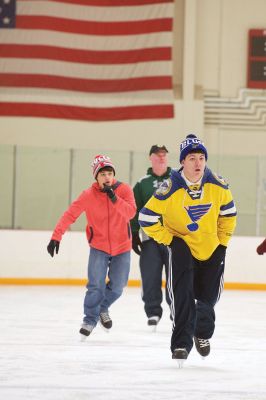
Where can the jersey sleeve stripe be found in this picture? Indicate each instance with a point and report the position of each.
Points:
(148, 217)
(227, 206)
(229, 212)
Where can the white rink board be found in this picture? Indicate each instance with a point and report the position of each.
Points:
(24, 255)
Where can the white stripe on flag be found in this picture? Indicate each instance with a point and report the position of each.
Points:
(84, 71)
(129, 13)
(66, 97)
(85, 42)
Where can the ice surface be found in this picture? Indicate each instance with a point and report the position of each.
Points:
(42, 357)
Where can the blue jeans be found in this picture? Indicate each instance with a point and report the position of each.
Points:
(100, 295)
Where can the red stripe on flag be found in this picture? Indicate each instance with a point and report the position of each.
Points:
(112, 3)
(92, 27)
(86, 85)
(84, 56)
(87, 114)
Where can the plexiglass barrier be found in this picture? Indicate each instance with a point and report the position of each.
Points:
(37, 184)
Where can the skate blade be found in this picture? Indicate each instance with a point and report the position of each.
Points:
(180, 363)
(83, 338)
(152, 328)
(105, 329)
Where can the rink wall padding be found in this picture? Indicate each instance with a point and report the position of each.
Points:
(24, 261)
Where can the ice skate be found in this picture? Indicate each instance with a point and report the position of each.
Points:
(203, 346)
(153, 322)
(85, 331)
(180, 354)
(105, 321)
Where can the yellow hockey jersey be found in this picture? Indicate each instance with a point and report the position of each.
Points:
(203, 216)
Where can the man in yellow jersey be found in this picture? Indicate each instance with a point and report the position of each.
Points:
(193, 213)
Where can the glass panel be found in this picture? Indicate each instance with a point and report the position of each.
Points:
(6, 185)
(173, 160)
(241, 173)
(47, 180)
(81, 179)
(246, 225)
(263, 226)
(140, 163)
(121, 160)
(42, 192)
(213, 163)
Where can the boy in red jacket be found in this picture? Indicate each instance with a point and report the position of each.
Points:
(109, 205)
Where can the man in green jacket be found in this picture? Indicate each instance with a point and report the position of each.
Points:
(153, 256)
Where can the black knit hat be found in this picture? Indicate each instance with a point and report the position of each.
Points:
(157, 147)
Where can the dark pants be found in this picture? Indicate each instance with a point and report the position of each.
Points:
(152, 259)
(194, 288)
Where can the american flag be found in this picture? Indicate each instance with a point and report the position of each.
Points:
(94, 60)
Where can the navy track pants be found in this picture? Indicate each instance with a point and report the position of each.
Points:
(194, 288)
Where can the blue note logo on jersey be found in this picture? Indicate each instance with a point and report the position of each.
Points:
(195, 213)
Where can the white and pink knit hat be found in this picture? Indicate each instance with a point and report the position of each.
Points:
(100, 162)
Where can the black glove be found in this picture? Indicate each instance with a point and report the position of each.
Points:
(110, 193)
(53, 245)
(222, 248)
(136, 243)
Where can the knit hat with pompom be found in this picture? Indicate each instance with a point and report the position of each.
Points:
(192, 144)
(100, 161)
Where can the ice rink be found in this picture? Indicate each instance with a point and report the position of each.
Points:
(42, 357)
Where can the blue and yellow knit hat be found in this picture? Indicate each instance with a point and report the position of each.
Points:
(192, 144)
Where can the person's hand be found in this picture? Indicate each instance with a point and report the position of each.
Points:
(262, 248)
(222, 248)
(136, 243)
(110, 193)
(53, 246)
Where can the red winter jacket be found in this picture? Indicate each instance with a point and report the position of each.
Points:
(108, 227)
